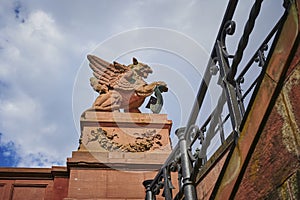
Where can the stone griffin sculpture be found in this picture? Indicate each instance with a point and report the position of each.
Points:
(123, 87)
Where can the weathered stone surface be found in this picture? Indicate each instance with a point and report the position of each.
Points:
(290, 189)
(123, 87)
(124, 132)
(206, 185)
(101, 172)
(276, 156)
(34, 183)
(96, 173)
(267, 153)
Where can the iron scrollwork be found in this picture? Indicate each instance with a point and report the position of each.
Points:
(261, 58)
(229, 29)
(182, 160)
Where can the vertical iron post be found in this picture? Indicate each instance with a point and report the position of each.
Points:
(167, 184)
(149, 194)
(230, 92)
(187, 183)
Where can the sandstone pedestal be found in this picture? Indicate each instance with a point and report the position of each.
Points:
(117, 152)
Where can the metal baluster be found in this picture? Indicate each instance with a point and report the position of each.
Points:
(188, 185)
(167, 184)
(221, 129)
(149, 194)
(230, 92)
(244, 40)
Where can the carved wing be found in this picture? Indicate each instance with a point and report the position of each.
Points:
(107, 74)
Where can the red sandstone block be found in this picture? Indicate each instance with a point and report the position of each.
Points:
(128, 185)
(87, 183)
(157, 157)
(99, 199)
(150, 175)
(21, 193)
(116, 155)
(5, 187)
(60, 188)
(139, 155)
(86, 157)
(205, 187)
(276, 155)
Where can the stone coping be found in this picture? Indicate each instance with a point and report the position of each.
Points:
(111, 117)
(118, 160)
(33, 173)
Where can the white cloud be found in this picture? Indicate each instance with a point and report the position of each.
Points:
(42, 45)
(34, 66)
(6, 153)
(38, 160)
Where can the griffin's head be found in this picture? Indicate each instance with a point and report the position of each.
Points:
(141, 69)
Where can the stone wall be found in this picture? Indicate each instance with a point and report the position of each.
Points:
(33, 183)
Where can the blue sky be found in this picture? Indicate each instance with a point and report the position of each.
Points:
(44, 74)
(8, 152)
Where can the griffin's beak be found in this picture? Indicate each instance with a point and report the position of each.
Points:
(163, 88)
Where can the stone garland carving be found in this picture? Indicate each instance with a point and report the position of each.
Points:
(145, 142)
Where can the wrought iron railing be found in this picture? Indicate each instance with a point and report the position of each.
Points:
(191, 153)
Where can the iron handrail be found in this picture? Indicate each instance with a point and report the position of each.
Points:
(182, 158)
